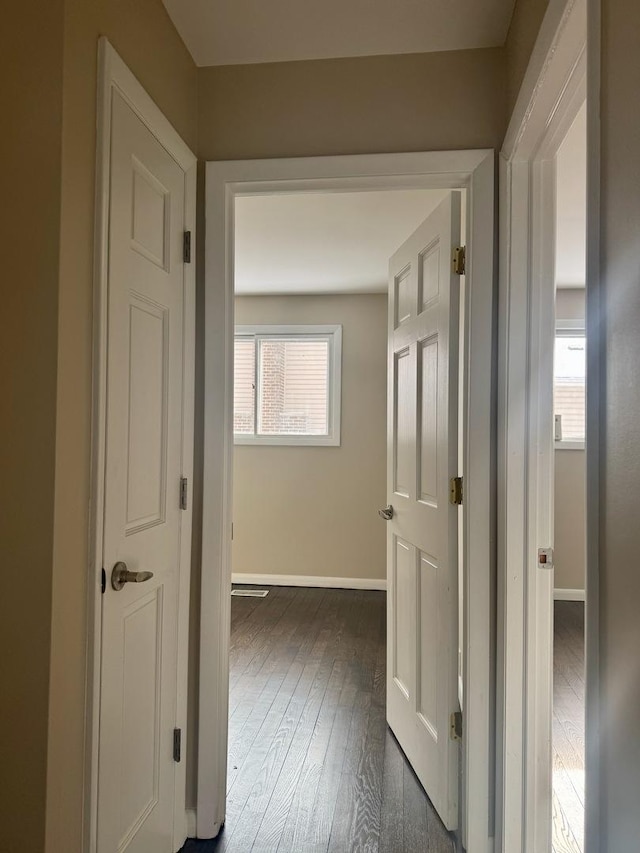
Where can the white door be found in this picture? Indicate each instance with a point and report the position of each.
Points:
(422, 538)
(136, 770)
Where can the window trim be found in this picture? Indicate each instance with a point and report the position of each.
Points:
(331, 333)
(570, 329)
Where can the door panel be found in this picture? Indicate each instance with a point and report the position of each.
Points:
(404, 584)
(428, 423)
(136, 772)
(148, 408)
(423, 531)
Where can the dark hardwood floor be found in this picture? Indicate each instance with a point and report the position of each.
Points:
(312, 764)
(568, 727)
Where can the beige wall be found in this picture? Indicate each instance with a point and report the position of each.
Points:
(416, 102)
(143, 34)
(523, 32)
(31, 106)
(619, 442)
(313, 510)
(570, 496)
(570, 303)
(570, 519)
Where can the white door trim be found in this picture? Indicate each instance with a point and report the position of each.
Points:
(114, 75)
(472, 170)
(554, 88)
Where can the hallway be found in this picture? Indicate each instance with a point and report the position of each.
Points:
(312, 764)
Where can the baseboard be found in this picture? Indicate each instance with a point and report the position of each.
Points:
(309, 580)
(192, 823)
(568, 595)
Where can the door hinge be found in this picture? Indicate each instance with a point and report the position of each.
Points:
(186, 247)
(103, 580)
(459, 260)
(455, 724)
(177, 744)
(184, 487)
(455, 491)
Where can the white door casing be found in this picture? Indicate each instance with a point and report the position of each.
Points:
(143, 467)
(472, 171)
(422, 539)
(553, 90)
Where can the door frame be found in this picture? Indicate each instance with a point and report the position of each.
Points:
(114, 75)
(471, 170)
(559, 78)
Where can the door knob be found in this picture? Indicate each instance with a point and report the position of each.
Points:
(386, 513)
(121, 575)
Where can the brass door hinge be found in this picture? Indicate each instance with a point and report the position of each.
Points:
(459, 260)
(455, 491)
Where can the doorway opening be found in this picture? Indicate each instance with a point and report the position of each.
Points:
(274, 354)
(569, 381)
(309, 698)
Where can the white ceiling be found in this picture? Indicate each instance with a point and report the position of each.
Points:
(324, 242)
(571, 200)
(232, 32)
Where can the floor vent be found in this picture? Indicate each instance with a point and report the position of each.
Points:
(250, 593)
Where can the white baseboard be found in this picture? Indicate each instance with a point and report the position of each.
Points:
(309, 580)
(568, 595)
(192, 823)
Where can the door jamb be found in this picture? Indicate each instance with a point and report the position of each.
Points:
(114, 75)
(555, 85)
(471, 170)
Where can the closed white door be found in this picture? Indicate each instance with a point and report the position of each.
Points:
(136, 770)
(422, 528)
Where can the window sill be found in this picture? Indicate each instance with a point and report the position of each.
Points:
(288, 440)
(570, 445)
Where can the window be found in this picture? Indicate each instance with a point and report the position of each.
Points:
(569, 385)
(287, 385)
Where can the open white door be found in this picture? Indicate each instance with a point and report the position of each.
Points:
(422, 539)
(142, 515)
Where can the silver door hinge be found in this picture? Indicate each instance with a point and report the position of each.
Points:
(455, 491)
(455, 725)
(186, 247)
(184, 486)
(177, 744)
(459, 260)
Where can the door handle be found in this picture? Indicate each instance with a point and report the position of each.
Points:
(121, 575)
(386, 513)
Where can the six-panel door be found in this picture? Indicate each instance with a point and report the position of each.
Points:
(142, 481)
(422, 533)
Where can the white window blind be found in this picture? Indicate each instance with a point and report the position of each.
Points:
(569, 386)
(287, 385)
(244, 386)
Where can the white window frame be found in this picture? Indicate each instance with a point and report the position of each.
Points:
(570, 329)
(331, 334)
